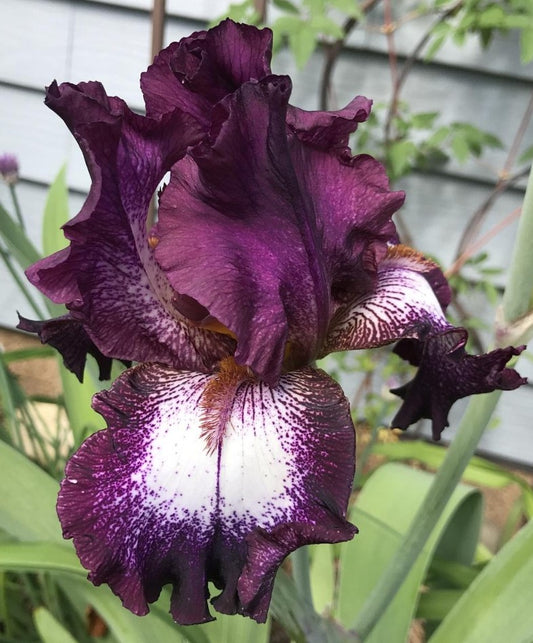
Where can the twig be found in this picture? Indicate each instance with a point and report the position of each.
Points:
(473, 248)
(504, 180)
(158, 34)
(158, 26)
(408, 64)
(332, 52)
(260, 7)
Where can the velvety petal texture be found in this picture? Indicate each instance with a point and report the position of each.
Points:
(447, 373)
(273, 245)
(199, 71)
(208, 478)
(280, 229)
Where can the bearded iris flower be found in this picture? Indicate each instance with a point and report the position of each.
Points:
(225, 448)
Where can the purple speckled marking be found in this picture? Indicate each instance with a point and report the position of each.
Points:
(148, 504)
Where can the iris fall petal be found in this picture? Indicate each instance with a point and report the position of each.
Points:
(208, 478)
(407, 301)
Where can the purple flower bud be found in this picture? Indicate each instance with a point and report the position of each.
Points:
(9, 168)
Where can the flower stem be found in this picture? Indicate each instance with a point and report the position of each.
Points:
(20, 282)
(16, 205)
(479, 411)
(517, 295)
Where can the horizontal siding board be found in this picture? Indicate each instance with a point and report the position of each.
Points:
(495, 105)
(34, 56)
(436, 211)
(39, 138)
(502, 57)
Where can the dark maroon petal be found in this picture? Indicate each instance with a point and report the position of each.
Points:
(208, 478)
(200, 70)
(407, 300)
(270, 228)
(447, 373)
(354, 206)
(248, 240)
(68, 336)
(108, 276)
(329, 130)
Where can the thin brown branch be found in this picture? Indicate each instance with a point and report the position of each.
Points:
(158, 26)
(389, 28)
(503, 182)
(482, 241)
(332, 52)
(407, 66)
(158, 34)
(260, 7)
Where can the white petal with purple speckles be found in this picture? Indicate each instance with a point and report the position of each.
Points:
(149, 502)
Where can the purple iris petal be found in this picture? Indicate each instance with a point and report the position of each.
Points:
(208, 478)
(447, 373)
(329, 130)
(268, 226)
(68, 336)
(108, 275)
(197, 72)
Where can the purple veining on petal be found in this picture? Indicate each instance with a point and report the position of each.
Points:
(249, 244)
(447, 373)
(407, 301)
(148, 504)
(108, 277)
(276, 225)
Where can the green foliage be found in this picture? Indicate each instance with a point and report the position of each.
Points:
(497, 605)
(49, 629)
(416, 141)
(382, 521)
(479, 470)
(240, 12)
(483, 18)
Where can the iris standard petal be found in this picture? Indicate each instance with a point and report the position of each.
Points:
(249, 247)
(407, 301)
(208, 478)
(108, 276)
(198, 71)
(447, 373)
(280, 228)
(329, 131)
